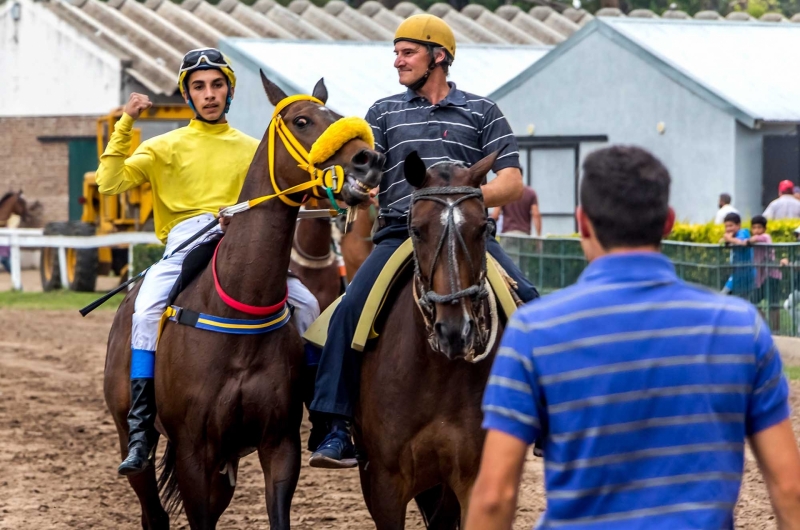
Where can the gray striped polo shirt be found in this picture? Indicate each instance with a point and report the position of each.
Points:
(462, 128)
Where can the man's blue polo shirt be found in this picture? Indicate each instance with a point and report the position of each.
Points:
(643, 389)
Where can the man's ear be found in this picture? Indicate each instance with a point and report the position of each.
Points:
(583, 223)
(670, 222)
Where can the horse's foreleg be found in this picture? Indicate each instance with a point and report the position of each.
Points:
(387, 504)
(154, 517)
(205, 491)
(281, 466)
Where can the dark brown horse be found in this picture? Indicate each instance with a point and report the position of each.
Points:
(356, 243)
(419, 417)
(13, 203)
(223, 396)
(313, 258)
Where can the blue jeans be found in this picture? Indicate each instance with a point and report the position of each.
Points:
(338, 375)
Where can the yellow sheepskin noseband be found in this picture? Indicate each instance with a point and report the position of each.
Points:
(338, 134)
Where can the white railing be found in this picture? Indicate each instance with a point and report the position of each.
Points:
(19, 238)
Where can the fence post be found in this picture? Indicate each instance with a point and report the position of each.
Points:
(16, 264)
(62, 267)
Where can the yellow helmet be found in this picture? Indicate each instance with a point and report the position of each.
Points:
(204, 59)
(427, 29)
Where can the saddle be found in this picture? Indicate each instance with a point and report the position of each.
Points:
(317, 333)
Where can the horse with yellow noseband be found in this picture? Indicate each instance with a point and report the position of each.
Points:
(221, 396)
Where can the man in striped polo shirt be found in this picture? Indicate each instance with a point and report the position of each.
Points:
(642, 387)
(441, 123)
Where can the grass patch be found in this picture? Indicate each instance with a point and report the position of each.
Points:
(792, 372)
(57, 300)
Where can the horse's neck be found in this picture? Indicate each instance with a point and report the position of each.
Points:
(253, 260)
(6, 209)
(313, 237)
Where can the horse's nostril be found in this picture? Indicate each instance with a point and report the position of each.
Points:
(362, 158)
(467, 329)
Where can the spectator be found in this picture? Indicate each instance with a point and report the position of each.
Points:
(786, 206)
(5, 257)
(642, 386)
(724, 208)
(768, 275)
(743, 276)
(517, 216)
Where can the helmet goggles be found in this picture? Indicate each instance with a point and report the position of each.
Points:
(212, 57)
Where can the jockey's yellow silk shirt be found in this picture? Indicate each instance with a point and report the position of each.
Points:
(193, 170)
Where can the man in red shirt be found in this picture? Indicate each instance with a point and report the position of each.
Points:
(518, 214)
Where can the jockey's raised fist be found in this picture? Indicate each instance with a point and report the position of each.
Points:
(136, 104)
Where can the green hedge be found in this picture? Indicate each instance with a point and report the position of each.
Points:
(781, 231)
(146, 255)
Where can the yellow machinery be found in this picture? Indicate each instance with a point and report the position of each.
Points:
(106, 214)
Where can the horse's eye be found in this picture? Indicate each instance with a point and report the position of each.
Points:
(482, 228)
(301, 122)
(416, 232)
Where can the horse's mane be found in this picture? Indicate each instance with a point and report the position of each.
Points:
(7, 196)
(444, 168)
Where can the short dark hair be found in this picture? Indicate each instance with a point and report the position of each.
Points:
(733, 218)
(625, 194)
(725, 198)
(759, 220)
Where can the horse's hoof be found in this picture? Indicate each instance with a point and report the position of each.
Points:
(324, 462)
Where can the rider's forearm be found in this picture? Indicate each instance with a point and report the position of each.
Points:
(505, 188)
(114, 175)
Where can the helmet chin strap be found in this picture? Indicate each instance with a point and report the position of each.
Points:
(419, 83)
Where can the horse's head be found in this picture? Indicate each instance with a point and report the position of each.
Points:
(449, 230)
(21, 207)
(345, 146)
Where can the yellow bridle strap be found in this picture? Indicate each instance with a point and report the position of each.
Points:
(331, 140)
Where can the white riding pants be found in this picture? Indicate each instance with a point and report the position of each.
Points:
(157, 284)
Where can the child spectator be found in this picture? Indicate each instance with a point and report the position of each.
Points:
(743, 277)
(768, 278)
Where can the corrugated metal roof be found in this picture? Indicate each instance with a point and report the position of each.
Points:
(480, 69)
(750, 65)
(154, 34)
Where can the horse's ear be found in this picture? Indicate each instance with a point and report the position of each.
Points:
(320, 92)
(480, 168)
(414, 170)
(274, 93)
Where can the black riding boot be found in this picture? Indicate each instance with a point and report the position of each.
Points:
(142, 434)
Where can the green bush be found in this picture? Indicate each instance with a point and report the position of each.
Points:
(146, 255)
(781, 231)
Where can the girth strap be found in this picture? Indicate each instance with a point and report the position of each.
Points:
(234, 326)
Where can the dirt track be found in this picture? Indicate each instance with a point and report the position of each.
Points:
(58, 446)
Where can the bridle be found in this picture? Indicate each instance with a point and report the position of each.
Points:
(427, 298)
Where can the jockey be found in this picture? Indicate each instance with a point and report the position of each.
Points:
(441, 123)
(193, 172)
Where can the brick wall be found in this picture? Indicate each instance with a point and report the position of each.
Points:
(40, 169)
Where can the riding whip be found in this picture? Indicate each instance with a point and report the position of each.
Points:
(103, 299)
(304, 214)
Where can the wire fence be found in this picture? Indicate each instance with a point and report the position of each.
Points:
(768, 276)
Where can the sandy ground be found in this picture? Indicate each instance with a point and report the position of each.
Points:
(58, 446)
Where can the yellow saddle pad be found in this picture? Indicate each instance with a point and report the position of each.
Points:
(317, 333)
